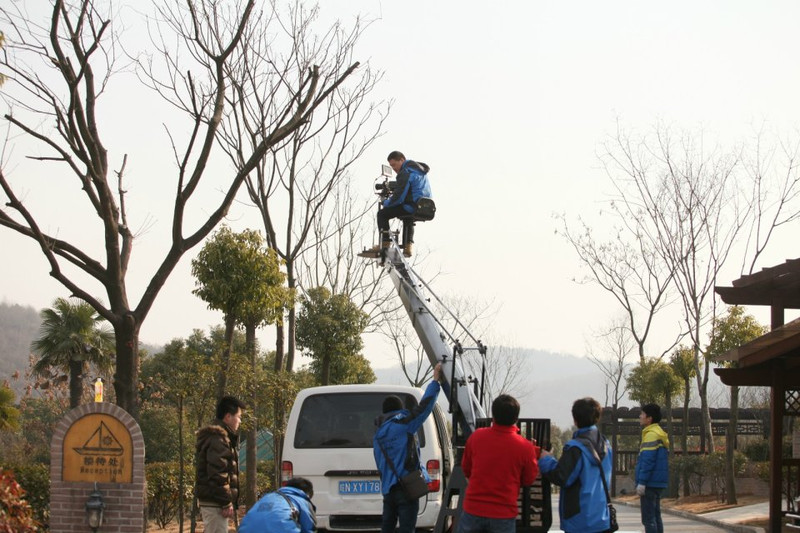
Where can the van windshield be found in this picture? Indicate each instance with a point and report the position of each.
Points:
(343, 420)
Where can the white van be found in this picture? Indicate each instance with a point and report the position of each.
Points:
(329, 442)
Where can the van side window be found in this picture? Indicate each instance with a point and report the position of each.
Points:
(342, 420)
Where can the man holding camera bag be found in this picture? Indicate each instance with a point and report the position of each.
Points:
(396, 452)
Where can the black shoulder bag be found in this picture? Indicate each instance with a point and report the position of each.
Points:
(612, 512)
(413, 484)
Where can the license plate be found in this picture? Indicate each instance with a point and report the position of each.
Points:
(360, 487)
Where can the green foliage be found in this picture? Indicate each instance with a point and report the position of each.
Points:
(159, 425)
(710, 467)
(713, 466)
(682, 363)
(689, 466)
(652, 381)
(734, 329)
(329, 329)
(758, 450)
(16, 514)
(9, 415)
(265, 478)
(345, 370)
(34, 478)
(236, 274)
(164, 491)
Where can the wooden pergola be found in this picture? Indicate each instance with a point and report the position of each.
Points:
(772, 360)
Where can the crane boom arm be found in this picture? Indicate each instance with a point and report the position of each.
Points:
(463, 401)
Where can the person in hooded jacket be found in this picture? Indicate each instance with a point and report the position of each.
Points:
(217, 466)
(286, 510)
(411, 185)
(582, 507)
(652, 468)
(396, 427)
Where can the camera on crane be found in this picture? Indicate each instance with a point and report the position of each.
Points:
(383, 185)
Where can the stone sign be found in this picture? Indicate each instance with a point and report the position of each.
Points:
(98, 448)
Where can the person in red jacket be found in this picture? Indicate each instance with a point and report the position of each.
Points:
(497, 462)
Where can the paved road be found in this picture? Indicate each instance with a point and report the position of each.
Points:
(630, 520)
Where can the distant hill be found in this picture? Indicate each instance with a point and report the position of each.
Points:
(553, 382)
(19, 325)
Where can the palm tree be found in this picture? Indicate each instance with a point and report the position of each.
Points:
(70, 337)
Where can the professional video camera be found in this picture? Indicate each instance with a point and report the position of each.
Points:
(383, 185)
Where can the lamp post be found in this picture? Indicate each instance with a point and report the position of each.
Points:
(94, 509)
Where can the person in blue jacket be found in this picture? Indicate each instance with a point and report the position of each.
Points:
(412, 184)
(582, 507)
(287, 510)
(396, 426)
(652, 468)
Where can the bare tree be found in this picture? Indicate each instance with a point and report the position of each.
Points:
(344, 223)
(610, 357)
(775, 193)
(689, 198)
(629, 265)
(210, 58)
(291, 187)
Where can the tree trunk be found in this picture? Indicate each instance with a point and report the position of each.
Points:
(704, 407)
(278, 347)
(75, 382)
(674, 479)
(252, 452)
(730, 447)
(292, 323)
(685, 437)
(225, 363)
(181, 471)
(126, 377)
(326, 369)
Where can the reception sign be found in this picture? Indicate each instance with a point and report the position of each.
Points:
(98, 447)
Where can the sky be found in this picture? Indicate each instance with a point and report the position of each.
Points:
(510, 104)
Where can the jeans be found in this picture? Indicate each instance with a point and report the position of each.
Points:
(469, 523)
(397, 507)
(651, 510)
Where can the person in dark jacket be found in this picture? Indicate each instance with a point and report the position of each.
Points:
(582, 507)
(217, 466)
(287, 510)
(652, 468)
(396, 427)
(411, 185)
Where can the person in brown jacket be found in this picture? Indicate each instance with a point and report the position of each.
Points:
(217, 466)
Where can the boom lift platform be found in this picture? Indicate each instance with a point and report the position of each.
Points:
(464, 394)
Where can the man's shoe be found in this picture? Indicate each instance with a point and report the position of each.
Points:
(375, 251)
(407, 249)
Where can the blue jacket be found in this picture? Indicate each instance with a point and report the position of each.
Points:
(412, 184)
(582, 507)
(274, 514)
(393, 433)
(652, 468)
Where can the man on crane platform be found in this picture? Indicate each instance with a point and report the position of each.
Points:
(411, 185)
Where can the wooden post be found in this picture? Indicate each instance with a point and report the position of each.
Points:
(778, 400)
